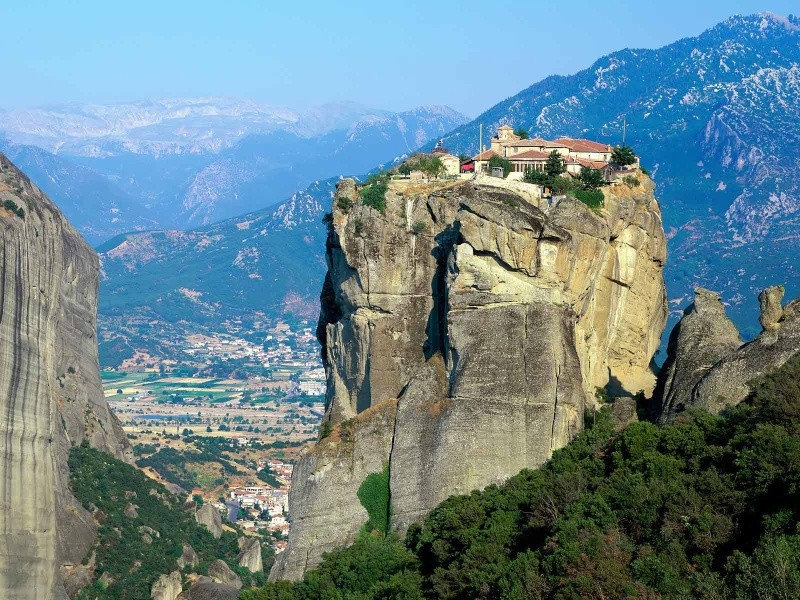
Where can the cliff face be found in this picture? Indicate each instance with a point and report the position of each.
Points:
(709, 367)
(464, 331)
(50, 391)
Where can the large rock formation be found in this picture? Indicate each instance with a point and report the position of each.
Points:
(50, 391)
(250, 554)
(464, 331)
(167, 587)
(220, 572)
(707, 364)
(209, 516)
(700, 340)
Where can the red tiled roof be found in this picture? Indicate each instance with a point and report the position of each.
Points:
(529, 155)
(583, 145)
(485, 155)
(592, 164)
(535, 143)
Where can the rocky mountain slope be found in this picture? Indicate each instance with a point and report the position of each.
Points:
(186, 163)
(715, 119)
(465, 329)
(50, 391)
(99, 207)
(262, 261)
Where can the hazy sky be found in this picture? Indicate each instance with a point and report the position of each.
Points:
(392, 55)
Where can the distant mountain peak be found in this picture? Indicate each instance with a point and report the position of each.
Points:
(180, 125)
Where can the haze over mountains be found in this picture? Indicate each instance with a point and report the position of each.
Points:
(714, 118)
(189, 162)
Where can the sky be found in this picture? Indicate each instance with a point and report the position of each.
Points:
(388, 55)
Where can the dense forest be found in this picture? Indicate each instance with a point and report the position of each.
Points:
(704, 508)
(135, 546)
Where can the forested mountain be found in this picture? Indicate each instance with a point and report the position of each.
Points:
(268, 261)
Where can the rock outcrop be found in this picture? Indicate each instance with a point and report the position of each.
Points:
(188, 557)
(464, 331)
(51, 396)
(250, 554)
(709, 367)
(220, 572)
(703, 337)
(209, 516)
(210, 590)
(168, 587)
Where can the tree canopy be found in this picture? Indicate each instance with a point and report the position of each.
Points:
(622, 156)
(707, 508)
(591, 179)
(555, 164)
(431, 166)
(503, 163)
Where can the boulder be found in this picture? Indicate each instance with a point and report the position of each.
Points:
(771, 309)
(623, 412)
(711, 369)
(250, 554)
(209, 590)
(188, 557)
(704, 336)
(220, 572)
(167, 587)
(209, 516)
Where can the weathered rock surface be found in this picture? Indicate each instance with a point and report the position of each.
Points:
(209, 590)
(623, 412)
(168, 587)
(188, 558)
(250, 554)
(709, 367)
(51, 396)
(464, 330)
(220, 572)
(703, 337)
(209, 516)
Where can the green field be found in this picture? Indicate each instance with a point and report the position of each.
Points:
(164, 389)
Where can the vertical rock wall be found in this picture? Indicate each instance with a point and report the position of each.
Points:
(50, 391)
(464, 330)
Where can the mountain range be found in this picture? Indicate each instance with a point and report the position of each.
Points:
(192, 162)
(714, 118)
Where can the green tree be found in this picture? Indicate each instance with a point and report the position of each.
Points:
(374, 195)
(534, 176)
(499, 162)
(591, 179)
(554, 165)
(522, 133)
(622, 156)
(562, 185)
(406, 168)
(431, 166)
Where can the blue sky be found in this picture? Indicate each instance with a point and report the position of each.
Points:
(395, 55)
